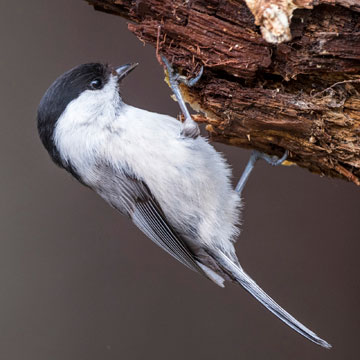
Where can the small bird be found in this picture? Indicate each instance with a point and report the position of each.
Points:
(160, 172)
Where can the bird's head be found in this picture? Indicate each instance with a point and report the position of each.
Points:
(84, 94)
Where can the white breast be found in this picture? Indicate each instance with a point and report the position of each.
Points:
(189, 179)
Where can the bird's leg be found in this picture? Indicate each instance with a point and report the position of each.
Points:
(189, 127)
(256, 155)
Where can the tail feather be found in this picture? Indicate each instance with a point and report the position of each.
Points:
(250, 285)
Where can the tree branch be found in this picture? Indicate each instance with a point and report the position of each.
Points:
(302, 95)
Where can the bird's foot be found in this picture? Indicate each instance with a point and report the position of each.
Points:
(189, 128)
(175, 77)
(256, 155)
(271, 159)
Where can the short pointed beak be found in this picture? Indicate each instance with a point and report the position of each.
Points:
(124, 70)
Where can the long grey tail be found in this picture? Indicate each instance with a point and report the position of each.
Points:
(250, 285)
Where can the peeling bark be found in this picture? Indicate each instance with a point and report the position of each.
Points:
(274, 16)
(303, 95)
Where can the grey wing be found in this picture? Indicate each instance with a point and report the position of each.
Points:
(147, 215)
(149, 218)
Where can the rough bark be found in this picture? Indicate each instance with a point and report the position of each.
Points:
(303, 95)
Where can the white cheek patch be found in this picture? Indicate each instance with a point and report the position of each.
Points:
(90, 104)
(79, 127)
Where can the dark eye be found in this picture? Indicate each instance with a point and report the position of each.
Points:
(96, 84)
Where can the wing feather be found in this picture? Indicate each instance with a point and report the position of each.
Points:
(132, 196)
(150, 219)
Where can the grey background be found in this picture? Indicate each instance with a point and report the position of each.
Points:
(78, 281)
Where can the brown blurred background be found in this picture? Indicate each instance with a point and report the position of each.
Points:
(78, 281)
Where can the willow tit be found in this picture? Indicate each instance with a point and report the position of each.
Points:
(172, 183)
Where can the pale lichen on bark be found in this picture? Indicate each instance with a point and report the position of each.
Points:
(274, 17)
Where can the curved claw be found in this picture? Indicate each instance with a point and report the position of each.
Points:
(282, 159)
(168, 66)
(256, 155)
(175, 77)
(194, 80)
(272, 160)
